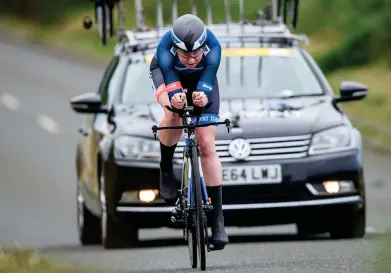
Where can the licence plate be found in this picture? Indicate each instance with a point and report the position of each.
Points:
(258, 174)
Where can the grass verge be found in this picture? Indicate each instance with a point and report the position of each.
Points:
(27, 261)
(382, 263)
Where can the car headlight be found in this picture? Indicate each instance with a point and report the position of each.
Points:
(127, 147)
(332, 140)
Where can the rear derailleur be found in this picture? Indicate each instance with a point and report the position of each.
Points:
(178, 215)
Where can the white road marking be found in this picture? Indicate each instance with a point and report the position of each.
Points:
(9, 101)
(48, 124)
(375, 230)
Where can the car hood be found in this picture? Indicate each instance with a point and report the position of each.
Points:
(249, 117)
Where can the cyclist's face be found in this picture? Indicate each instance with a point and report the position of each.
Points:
(190, 59)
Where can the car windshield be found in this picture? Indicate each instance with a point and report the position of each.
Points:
(240, 77)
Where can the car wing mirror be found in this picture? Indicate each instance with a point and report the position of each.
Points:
(351, 91)
(88, 103)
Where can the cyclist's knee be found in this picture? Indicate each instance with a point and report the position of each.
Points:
(206, 138)
(171, 119)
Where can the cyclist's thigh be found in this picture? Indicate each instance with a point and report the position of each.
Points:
(158, 85)
(206, 135)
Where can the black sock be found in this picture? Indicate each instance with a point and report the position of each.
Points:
(215, 194)
(167, 153)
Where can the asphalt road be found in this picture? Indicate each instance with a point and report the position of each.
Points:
(37, 189)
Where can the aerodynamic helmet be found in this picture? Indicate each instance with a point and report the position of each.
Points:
(188, 33)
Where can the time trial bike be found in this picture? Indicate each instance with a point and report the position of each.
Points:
(193, 203)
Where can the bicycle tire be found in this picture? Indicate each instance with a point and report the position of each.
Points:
(295, 13)
(191, 232)
(102, 24)
(196, 181)
(192, 244)
(111, 29)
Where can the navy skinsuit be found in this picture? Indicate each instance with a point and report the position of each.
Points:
(168, 74)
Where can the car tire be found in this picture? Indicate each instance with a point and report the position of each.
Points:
(87, 223)
(351, 225)
(115, 232)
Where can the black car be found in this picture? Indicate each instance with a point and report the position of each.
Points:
(292, 155)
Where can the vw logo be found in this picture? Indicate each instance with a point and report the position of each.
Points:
(239, 148)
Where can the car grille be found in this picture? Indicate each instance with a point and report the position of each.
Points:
(272, 148)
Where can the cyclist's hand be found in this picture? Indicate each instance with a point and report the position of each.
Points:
(200, 99)
(178, 100)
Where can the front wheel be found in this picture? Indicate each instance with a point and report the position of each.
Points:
(196, 182)
(192, 244)
(351, 226)
(87, 223)
(115, 232)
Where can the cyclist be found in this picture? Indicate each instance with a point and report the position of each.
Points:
(183, 68)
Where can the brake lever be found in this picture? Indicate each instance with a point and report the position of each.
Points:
(227, 124)
(154, 130)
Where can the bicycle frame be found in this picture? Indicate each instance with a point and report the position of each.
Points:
(190, 141)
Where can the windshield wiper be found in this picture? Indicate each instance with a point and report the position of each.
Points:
(296, 96)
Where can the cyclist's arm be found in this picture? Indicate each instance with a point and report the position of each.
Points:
(212, 63)
(166, 62)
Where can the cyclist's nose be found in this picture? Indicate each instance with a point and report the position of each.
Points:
(191, 60)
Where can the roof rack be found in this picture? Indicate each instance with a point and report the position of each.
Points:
(269, 28)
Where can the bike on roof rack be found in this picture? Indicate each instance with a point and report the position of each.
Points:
(277, 12)
(103, 15)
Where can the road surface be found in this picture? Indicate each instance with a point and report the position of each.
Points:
(37, 189)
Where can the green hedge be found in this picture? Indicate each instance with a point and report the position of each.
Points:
(45, 12)
(366, 26)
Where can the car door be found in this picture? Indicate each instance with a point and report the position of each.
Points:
(93, 136)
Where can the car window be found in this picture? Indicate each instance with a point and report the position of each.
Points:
(117, 80)
(239, 77)
(267, 76)
(137, 86)
(103, 86)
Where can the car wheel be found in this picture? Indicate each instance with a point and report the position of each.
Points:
(116, 233)
(87, 223)
(351, 225)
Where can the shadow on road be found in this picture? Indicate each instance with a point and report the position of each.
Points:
(174, 242)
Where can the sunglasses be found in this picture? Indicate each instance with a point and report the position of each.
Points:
(192, 54)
